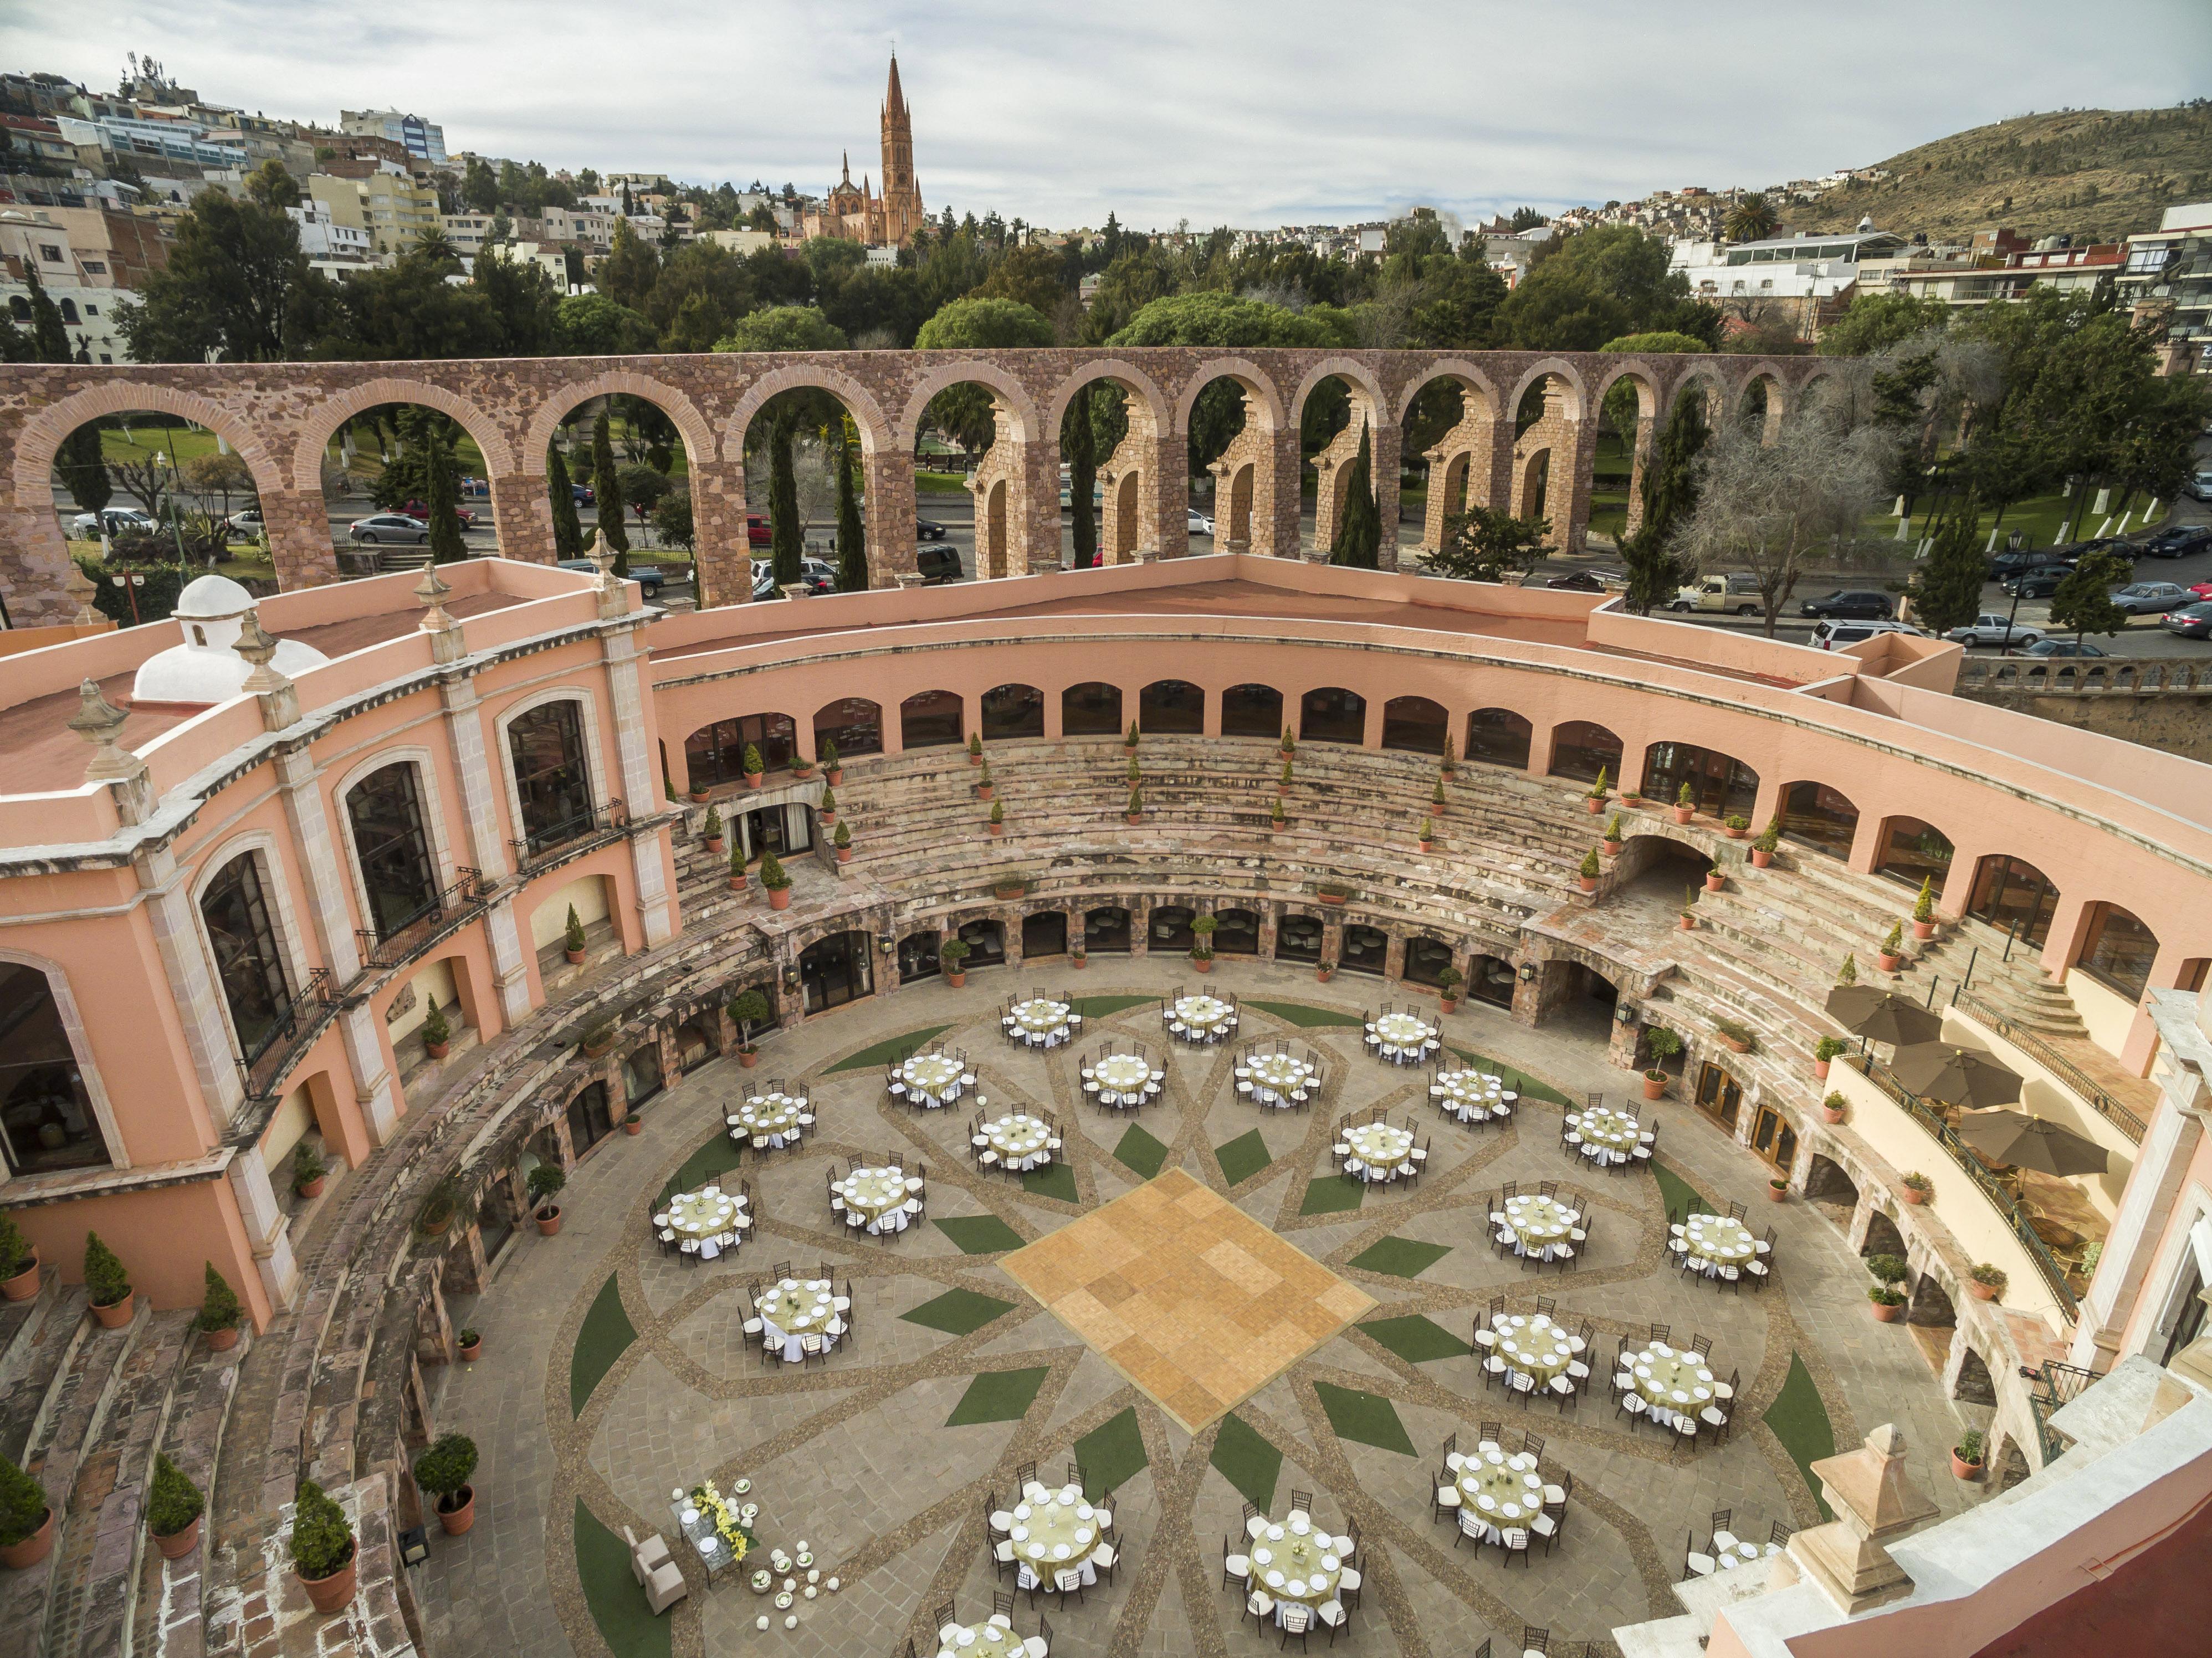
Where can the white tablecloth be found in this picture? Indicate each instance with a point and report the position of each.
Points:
(770, 1121)
(1472, 1095)
(1055, 1531)
(800, 1307)
(1042, 1023)
(881, 1200)
(1716, 1240)
(1496, 1490)
(707, 1217)
(1203, 1018)
(1288, 1563)
(1277, 1080)
(1123, 1079)
(1674, 1385)
(1537, 1225)
(1022, 1142)
(1605, 1137)
(1401, 1038)
(1379, 1151)
(933, 1079)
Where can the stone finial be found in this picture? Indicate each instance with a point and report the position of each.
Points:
(1873, 1501)
(100, 722)
(258, 648)
(79, 587)
(433, 591)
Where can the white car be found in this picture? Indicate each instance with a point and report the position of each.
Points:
(1834, 635)
(1199, 523)
(117, 519)
(2201, 486)
(1990, 629)
(395, 527)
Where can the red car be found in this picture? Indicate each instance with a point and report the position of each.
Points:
(420, 512)
(756, 530)
(2203, 590)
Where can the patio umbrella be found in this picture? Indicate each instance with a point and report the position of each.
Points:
(1882, 1016)
(1956, 1075)
(2025, 1141)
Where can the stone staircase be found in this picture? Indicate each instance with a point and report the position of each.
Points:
(169, 1617)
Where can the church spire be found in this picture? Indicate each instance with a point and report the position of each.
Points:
(894, 97)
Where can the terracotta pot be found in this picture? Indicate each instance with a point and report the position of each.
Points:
(1005, 893)
(1914, 1195)
(436, 1228)
(834, 775)
(334, 1592)
(32, 1549)
(437, 1050)
(591, 1051)
(177, 1545)
(462, 1515)
(115, 1317)
(1689, 924)
(1831, 1116)
(1330, 897)
(1202, 964)
(24, 1285)
(633, 1124)
(1080, 962)
(220, 1341)
(312, 1189)
(1284, 790)
(1655, 1088)
(1965, 1470)
(1437, 809)
(1776, 1193)
(1888, 963)
(1683, 814)
(1447, 1004)
(1611, 848)
(1425, 844)
(1981, 1291)
(778, 897)
(1821, 1068)
(736, 883)
(1733, 1045)
(1589, 882)
(1715, 880)
(717, 847)
(830, 819)
(469, 1350)
(698, 795)
(1632, 800)
(1324, 973)
(1760, 858)
(983, 790)
(1132, 817)
(753, 779)
(748, 1057)
(844, 854)
(975, 759)
(575, 956)
(1735, 834)
(958, 981)
(1888, 1314)
(1924, 931)
(549, 1221)
(801, 772)
(1594, 802)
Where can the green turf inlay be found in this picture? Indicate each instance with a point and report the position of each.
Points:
(981, 1235)
(716, 1157)
(1242, 1157)
(1799, 1421)
(1332, 1194)
(1678, 1194)
(626, 1623)
(1111, 1454)
(603, 1336)
(1366, 1418)
(1310, 1018)
(1399, 1257)
(998, 1396)
(885, 1052)
(1100, 1007)
(1247, 1461)
(958, 1312)
(1416, 1339)
(1053, 1180)
(1519, 1081)
(1140, 1151)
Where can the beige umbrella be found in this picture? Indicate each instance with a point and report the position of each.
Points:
(1956, 1075)
(2025, 1141)
(1881, 1016)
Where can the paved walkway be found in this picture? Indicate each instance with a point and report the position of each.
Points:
(860, 1458)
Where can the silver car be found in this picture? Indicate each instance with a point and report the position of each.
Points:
(2151, 597)
(1990, 629)
(394, 527)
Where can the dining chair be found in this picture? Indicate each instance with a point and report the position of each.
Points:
(1662, 1332)
(1235, 1567)
(1535, 1640)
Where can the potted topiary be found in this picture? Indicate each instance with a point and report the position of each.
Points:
(711, 832)
(1664, 1045)
(1848, 974)
(755, 769)
(801, 766)
(950, 956)
(1324, 969)
(1715, 880)
(1595, 799)
(829, 807)
(1437, 799)
(1824, 1055)
(1985, 1281)
(1735, 1037)
(1612, 837)
(546, 1181)
(437, 1033)
(1201, 949)
(469, 1344)
(1737, 826)
(1762, 849)
(750, 1008)
(736, 869)
(220, 1314)
(322, 1549)
(1332, 892)
(996, 823)
(1966, 1455)
(1923, 909)
(1918, 1188)
(974, 748)
(27, 1522)
(1590, 869)
(309, 1170)
(777, 880)
(1686, 804)
(832, 768)
(1289, 747)
(1135, 811)
(1428, 836)
(174, 1506)
(19, 1262)
(1448, 763)
(1278, 819)
(1009, 884)
(1689, 909)
(1448, 978)
(1283, 781)
(1129, 737)
(106, 1283)
(599, 1039)
(444, 1470)
(1884, 1298)
(983, 782)
(843, 840)
(1892, 955)
(572, 937)
(1833, 1107)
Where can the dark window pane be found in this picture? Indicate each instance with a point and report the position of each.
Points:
(1090, 709)
(1414, 723)
(1820, 817)
(1170, 927)
(547, 746)
(236, 914)
(1365, 949)
(1236, 932)
(386, 810)
(1251, 711)
(1498, 737)
(717, 754)
(1580, 749)
(1425, 958)
(1332, 714)
(931, 719)
(45, 1116)
(2119, 951)
(1012, 711)
(917, 956)
(1913, 852)
(1297, 938)
(1720, 787)
(854, 724)
(2011, 894)
(1107, 930)
(1171, 708)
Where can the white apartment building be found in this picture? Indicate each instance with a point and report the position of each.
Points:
(331, 247)
(424, 140)
(1799, 267)
(83, 290)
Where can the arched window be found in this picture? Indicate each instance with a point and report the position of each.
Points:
(1012, 711)
(986, 942)
(68, 310)
(1297, 938)
(931, 719)
(1365, 949)
(1498, 737)
(2014, 897)
(1171, 708)
(1719, 786)
(386, 811)
(1415, 725)
(1332, 714)
(854, 724)
(1090, 709)
(1236, 932)
(247, 966)
(716, 753)
(1106, 931)
(1580, 749)
(1170, 927)
(917, 956)
(546, 746)
(1426, 959)
(2119, 950)
(1913, 852)
(1820, 817)
(1251, 711)
(46, 1120)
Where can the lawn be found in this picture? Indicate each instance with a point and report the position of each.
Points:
(1416, 1339)
(1332, 1194)
(1401, 1257)
(890, 1048)
(610, 1590)
(603, 1337)
(1247, 1461)
(1141, 1151)
(980, 1234)
(1242, 1157)
(940, 484)
(998, 1396)
(1111, 1454)
(958, 1312)
(1365, 1419)
(1800, 1421)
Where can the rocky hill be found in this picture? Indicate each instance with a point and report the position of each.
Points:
(2096, 173)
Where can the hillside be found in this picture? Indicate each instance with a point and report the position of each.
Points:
(2093, 173)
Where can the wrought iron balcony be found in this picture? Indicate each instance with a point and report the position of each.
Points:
(382, 948)
(551, 844)
(306, 1017)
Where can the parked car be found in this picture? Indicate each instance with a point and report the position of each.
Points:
(1738, 593)
(420, 510)
(2044, 649)
(1990, 629)
(1862, 603)
(1198, 524)
(2179, 542)
(937, 563)
(2150, 597)
(647, 576)
(2040, 583)
(117, 520)
(764, 584)
(2201, 486)
(757, 533)
(2190, 621)
(2009, 564)
(815, 574)
(1833, 635)
(2202, 589)
(1577, 581)
(248, 523)
(395, 527)
(926, 529)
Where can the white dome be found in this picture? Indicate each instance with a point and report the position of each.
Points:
(204, 669)
(214, 596)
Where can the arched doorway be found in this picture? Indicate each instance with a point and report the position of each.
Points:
(1826, 1181)
(2013, 895)
(1882, 1236)
(403, 483)
(833, 971)
(1106, 931)
(1499, 736)
(1817, 815)
(1251, 711)
(1332, 714)
(1913, 852)
(1580, 749)
(1090, 709)
(803, 454)
(1170, 927)
(1366, 950)
(1171, 708)
(986, 943)
(1414, 724)
(620, 465)
(1236, 932)
(1298, 938)
(1974, 1385)
(1720, 785)
(1774, 1139)
(586, 1114)
(1491, 979)
(1044, 933)
(917, 955)
(1425, 960)
(1229, 437)
(1720, 1096)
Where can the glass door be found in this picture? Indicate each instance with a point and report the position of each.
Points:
(1719, 1095)
(1773, 1138)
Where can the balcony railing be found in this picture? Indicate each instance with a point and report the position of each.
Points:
(310, 1013)
(2056, 1384)
(2073, 1077)
(447, 909)
(2054, 1275)
(548, 845)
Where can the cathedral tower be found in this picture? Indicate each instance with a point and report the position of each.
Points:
(902, 207)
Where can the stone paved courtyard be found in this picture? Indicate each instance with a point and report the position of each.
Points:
(885, 1457)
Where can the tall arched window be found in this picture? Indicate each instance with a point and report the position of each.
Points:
(1415, 725)
(1012, 711)
(1820, 816)
(386, 810)
(546, 745)
(1913, 852)
(1498, 737)
(46, 1120)
(1090, 709)
(2014, 896)
(931, 719)
(236, 911)
(717, 754)
(1720, 786)
(1580, 749)
(1171, 708)
(854, 724)
(2119, 950)
(1251, 711)
(1332, 714)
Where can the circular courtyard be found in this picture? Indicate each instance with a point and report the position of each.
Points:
(1187, 1308)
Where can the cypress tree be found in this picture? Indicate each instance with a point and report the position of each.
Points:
(48, 336)
(786, 537)
(1359, 531)
(440, 497)
(1946, 593)
(567, 529)
(83, 468)
(1082, 447)
(606, 484)
(852, 539)
(1669, 490)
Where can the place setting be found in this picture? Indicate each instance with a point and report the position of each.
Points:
(1398, 1037)
(1200, 1019)
(772, 1120)
(1123, 1079)
(930, 1081)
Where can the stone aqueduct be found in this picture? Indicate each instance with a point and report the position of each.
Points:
(279, 417)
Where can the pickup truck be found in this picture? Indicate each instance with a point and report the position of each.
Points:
(1738, 593)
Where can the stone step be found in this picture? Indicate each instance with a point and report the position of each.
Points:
(39, 1352)
(170, 1618)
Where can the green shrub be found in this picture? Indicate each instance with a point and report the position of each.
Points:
(1590, 865)
(1686, 796)
(1917, 1182)
(773, 876)
(951, 953)
(1663, 1043)
(1613, 829)
(711, 829)
(828, 798)
(445, 1467)
(1448, 978)
(435, 1030)
(1988, 1274)
(844, 835)
(1130, 739)
(104, 1280)
(1848, 974)
(546, 1178)
(828, 754)
(1882, 1296)
(219, 1306)
(752, 761)
(983, 778)
(750, 1007)
(1732, 1031)
(1738, 821)
(1923, 907)
(1436, 794)
(1827, 1048)
(1289, 746)
(15, 1248)
(1205, 925)
(1597, 790)
(1136, 802)
(1888, 1269)
(1894, 940)
(1769, 837)
(1834, 1102)
(997, 811)
(1333, 890)
(308, 1164)
(736, 858)
(573, 935)
(1428, 829)
(1286, 773)
(22, 1504)
(1969, 1448)
(975, 746)
(173, 1501)
(1277, 814)
(322, 1540)
(1136, 772)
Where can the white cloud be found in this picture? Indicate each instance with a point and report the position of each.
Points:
(1291, 112)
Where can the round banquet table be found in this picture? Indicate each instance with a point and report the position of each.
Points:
(1204, 1016)
(1675, 1386)
(1539, 1225)
(1124, 1078)
(1498, 1491)
(1294, 1565)
(1022, 1142)
(1607, 1136)
(1059, 1534)
(981, 1641)
(798, 1307)
(1042, 1021)
(1380, 1152)
(1401, 1036)
(1276, 1077)
(770, 1121)
(932, 1079)
(704, 1215)
(876, 1199)
(1533, 1344)
(1718, 1241)
(1472, 1095)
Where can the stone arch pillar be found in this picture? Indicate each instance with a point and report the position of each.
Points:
(1572, 443)
(1640, 456)
(1333, 467)
(724, 557)
(1145, 481)
(301, 544)
(522, 517)
(890, 508)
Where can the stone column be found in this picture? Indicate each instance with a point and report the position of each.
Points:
(724, 554)
(890, 513)
(522, 515)
(360, 1034)
(1140, 927)
(464, 712)
(1394, 958)
(266, 1230)
(1333, 477)
(170, 912)
(640, 784)
(299, 528)
(1275, 494)
(1641, 458)
(1037, 552)
(1167, 474)
(1386, 442)
(317, 862)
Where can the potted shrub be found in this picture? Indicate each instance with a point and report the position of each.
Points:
(220, 1314)
(599, 1039)
(1009, 884)
(950, 956)
(1289, 747)
(1884, 1299)
(698, 793)
(996, 823)
(755, 767)
(1078, 956)
(1332, 892)
(1612, 837)
(1448, 978)
(829, 807)
(801, 766)
(1135, 811)
(572, 937)
(106, 1283)
(983, 782)
(443, 1470)
(1833, 1107)
(19, 1262)
(439, 1205)
(736, 869)
(1136, 772)
(832, 768)
(309, 1170)
(437, 1033)
(1129, 736)
(1689, 909)
(711, 832)
(777, 880)
(1715, 880)
(1848, 974)
(471, 1343)
(1985, 1282)
(1778, 1188)
(1428, 836)
(1824, 1055)
(1449, 761)
(322, 1549)
(1201, 949)
(976, 748)
(1325, 969)
(1664, 1045)
(1891, 953)
(1283, 781)
(1762, 849)
(1686, 804)
(1966, 1455)
(1277, 820)
(26, 1523)
(1737, 826)
(1923, 909)
(843, 840)
(632, 1123)
(1735, 1037)
(746, 1011)
(1918, 1188)
(546, 1181)
(1595, 799)
(1437, 799)
(1589, 869)
(174, 1506)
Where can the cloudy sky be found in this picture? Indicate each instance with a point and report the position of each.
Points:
(1253, 114)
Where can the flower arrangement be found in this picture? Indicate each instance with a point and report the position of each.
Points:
(724, 1517)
